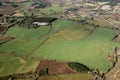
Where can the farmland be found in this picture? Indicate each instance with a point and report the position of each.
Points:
(59, 39)
(61, 43)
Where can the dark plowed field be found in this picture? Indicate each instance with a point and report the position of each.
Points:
(55, 68)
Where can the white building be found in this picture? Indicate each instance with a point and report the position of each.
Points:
(41, 23)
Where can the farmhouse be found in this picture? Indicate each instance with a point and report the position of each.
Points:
(41, 23)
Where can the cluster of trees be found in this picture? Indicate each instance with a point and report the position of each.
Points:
(26, 22)
(78, 67)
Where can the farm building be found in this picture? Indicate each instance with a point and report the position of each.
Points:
(41, 23)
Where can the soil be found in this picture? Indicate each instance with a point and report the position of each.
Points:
(55, 68)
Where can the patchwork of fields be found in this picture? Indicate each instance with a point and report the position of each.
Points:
(63, 41)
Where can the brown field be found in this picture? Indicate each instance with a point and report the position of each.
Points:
(55, 68)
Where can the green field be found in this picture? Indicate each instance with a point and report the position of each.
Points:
(67, 41)
(12, 65)
(91, 51)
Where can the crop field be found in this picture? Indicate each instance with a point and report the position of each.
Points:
(65, 41)
(11, 65)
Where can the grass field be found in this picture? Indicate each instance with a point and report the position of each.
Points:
(11, 65)
(68, 41)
